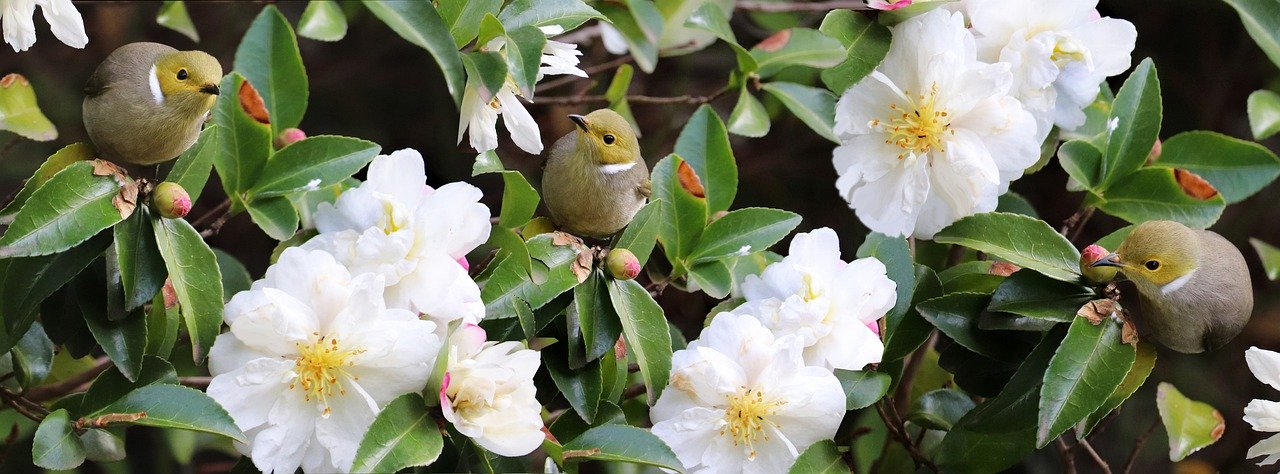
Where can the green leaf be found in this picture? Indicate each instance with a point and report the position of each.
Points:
(102, 446)
(403, 435)
(123, 340)
(645, 327)
(32, 356)
(275, 215)
(1190, 424)
(268, 58)
(712, 18)
(713, 278)
(193, 269)
(862, 388)
(1137, 113)
(519, 200)
(111, 385)
(235, 277)
(1023, 241)
(905, 333)
(640, 24)
(486, 162)
(1083, 162)
(191, 170)
(420, 24)
(553, 263)
(821, 457)
(313, 163)
(815, 107)
(895, 254)
(616, 94)
(1028, 293)
(19, 112)
(749, 118)
(582, 387)
(866, 43)
(704, 144)
(1236, 168)
(641, 234)
(1270, 256)
(524, 57)
(56, 445)
(683, 215)
(940, 409)
(957, 314)
(173, 15)
(597, 320)
(743, 231)
(1014, 203)
(175, 406)
(463, 17)
(567, 14)
(1264, 113)
(1088, 365)
(244, 143)
(70, 208)
(1261, 19)
(142, 271)
(1144, 361)
(58, 161)
(797, 47)
(486, 72)
(1154, 194)
(323, 20)
(26, 281)
(162, 328)
(621, 443)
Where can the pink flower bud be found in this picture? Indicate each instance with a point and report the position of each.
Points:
(888, 4)
(622, 264)
(170, 200)
(289, 136)
(465, 265)
(1092, 254)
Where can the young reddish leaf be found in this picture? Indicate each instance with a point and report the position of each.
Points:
(1194, 185)
(252, 103)
(690, 181)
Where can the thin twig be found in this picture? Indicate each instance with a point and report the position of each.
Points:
(215, 226)
(898, 430)
(633, 99)
(195, 382)
(1072, 227)
(1088, 448)
(49, 392)
(766, 6)
(14, 400)
(1068, 456)
(220, 208)
(909, 372)
(1137, 445)
(633, 391)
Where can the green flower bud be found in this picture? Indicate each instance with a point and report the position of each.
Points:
(622, 264)
(170, 200)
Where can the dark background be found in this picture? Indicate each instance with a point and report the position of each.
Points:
(374, 85)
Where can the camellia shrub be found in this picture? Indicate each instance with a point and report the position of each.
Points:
(406, 326)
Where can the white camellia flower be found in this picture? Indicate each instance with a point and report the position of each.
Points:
(1060, 51)
(481, 117)
(311, 357)
(740, 400)
(829, 304)
(488, 392)
(396, 226)
(20, 29)
(932, 135)
(1264, 415)
(888, 4)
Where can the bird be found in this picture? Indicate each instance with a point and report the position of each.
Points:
(595, 180)
(1193, 285)
(146, 102)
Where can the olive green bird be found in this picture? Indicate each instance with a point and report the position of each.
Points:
(1193, 285)
(146, 102)
(595, 180)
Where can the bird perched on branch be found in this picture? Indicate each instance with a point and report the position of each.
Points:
(1194, 286)
(146, 102)
(595, 179)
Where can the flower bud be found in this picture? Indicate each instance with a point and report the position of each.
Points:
(1092, 254)
(622, 264)
(170, 200)
(536, 227)
(1156, 150)
(288, 136)
(717, 216)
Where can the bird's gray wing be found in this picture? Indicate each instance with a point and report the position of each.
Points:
(96, 85)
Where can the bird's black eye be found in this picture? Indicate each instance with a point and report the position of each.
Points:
(608, 139)
(1152, 265)
(182, 74)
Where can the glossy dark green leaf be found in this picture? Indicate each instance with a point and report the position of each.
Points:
(56, 162)
(863, 388)
(865, 41)
(524, 56)
(821, 457)
(268, 58)
(704, 144)
(124, 340)
(519, 200)
(509, 280)
(173, 15)
(244, 143)
(463, 17)
(597, 320)
(911, 329)
(486, 72)
(175, 406)
(26, 281)
(711, 17)
(193, 269)
(323, 20)
(1143, 362)
(815, 107)
(642, 233)
(683, 215)
(103, 446)
(1083, 162)
(1137, 113)
(621, 443)
(743, 231)
(191, 169)
(713, 278)
(1028, 293)
(32, 356)
(1270, 256)
(403, 435)
(645, 327)
(74, 205)
(56, 445)
(1021, 240)
(142, 271)
(162, 328)
(276, 216)
(112, 385)
(1236, 168)
(1087, 367)
(420, 24)
(1190, 424)
(749, 117)
(957, 316)
(1154, 194)
(1014, 203)
(895, 254)
(940, 409)
(567, 14)
(582, 387)
(797, 47)
(1264, 113)
(1261, 19)
(313, 163)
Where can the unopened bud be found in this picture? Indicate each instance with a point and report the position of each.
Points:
(288, 136)
(1094, 274)
(536, 227)
(622, 264)
(1156, 149)
(717, 216)
(170, 200)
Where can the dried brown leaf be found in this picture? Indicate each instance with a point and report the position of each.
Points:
(775, 42)
(1194, 185)
(252, 103)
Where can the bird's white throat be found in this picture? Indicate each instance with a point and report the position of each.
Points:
(154, 82)
(616, 168)
(1177, 283)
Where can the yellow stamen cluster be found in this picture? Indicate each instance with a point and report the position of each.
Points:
(321, 367)
(746, 417)
(810, 292)
(1065, 51)
(390, 225)
(919, 126)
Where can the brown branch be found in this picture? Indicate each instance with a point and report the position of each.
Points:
(902, 396)
(23, 406)
(1088, 448)
(220, 208)
(49, 392)
(766, 6)
(1072, 227)
(1068, 456)
(633, 391)
(633, 99)
(1138, 444)
(195, 382)
(898, 430)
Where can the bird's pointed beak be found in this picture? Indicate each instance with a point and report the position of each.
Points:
(1112, 260)
(211, 89)
(580, 120)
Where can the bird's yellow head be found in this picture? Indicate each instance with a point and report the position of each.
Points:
(606, 138)
(188, 80)
(1156, 253)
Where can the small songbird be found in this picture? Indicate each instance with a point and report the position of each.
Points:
(1194, 286)
(146, 102)
(595, 179)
